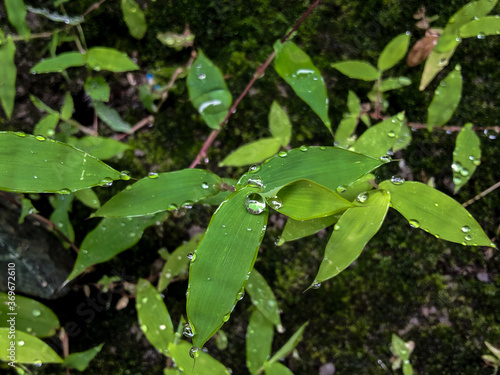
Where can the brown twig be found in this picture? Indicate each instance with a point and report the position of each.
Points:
(481, 195)
(258, 74)
(92, 8)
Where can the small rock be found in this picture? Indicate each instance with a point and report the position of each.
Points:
(327, 369)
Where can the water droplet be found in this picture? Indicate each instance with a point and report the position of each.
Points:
(341, 189)
(20, 343)
(468, 237)
(35, 177)
(172, 206)
(40, 138)
(36, 313)
(361, 198)
(191, 256)
(187, 331)
(316, 286)
(457, 180)
(20, 134)
(336, 227)
(303, 148)
(255, 203)
(226, 317)
(144, 328)
(194, 352)
(464, 172)
(188, 205)
(385, 159)
(144, 300)
(162, 327)
(64, 191)
(466, 229)
(456, 167)
(106, 181)
(397, 180)
(125, 175)
(414, 223)
(153, 175)
(391, 134)
(458, 68)
(481, 36)
(280, 241)
(255, 181)
(275, 203)
(282, 154)
(202, 76)
(254, 168)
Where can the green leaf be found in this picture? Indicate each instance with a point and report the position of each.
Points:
(391, 133)
(351, 234)
(134, 18)
(205, 364)
(154, 318)
(59, 63)
(16, 13)
(28, 349)
(104, 58)
(208, 91)
(38, 165)
(394, 83)
(67, 107)
(289, 345)
(469, 12)
(221, 196)
(8, 73)
(407, 369)
(393, 52)
(176, 41)
(327, 166)
(357, 69)
(433, 65)
(399, 348)
(109, 238)
(279, 124)
(32, 316)
(251, 153)
(97, 88)
(295, 229)
(436, 213)
(178, 262)
(47, 125)
(447, 41)
(80, 361)
(446, 99)
(42, 106)
(220, 268)
(344, 131)
(161, 192)
(276, 368)
(353, 104)
(297, 69)
(88, 198)
(361, 185)
(26, 209)
(101, 148)
(466, 156)
(60, 217)
(259, 340)
(493, 349)
(111, 117)
(263, 297)
(481, 27)
(306, 200)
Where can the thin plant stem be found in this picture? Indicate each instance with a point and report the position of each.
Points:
(481, 195)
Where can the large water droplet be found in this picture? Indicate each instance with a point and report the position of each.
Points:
(226, 317)
(468, 237)
(191, 257)
(187, 331)
(341, 189)
(481, 36)
(391, 134)
(254, 168)
(64, 191)
(255, 181)
(172, 206)
(414, 223)
(194, 352)
(282, 154)
(275, 203)
(361, 198)
(397, 180)
(385, 159)
(466, 229)
(125, 175)
(107, 182)
(40, 138)
(36, 313)
(202, 76)
(204, 186)
(303, 148)
(153, 175)
(316, 286)
(255, 203)
(280, 241)
(162, 327)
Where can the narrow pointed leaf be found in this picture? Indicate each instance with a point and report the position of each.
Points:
(208, 91)
(353, 104)
(134, 18)
(178, 262)
(104, 58)
(108, 240)
(251, 153)
(436, 213)
(361, 185)
(327, 166)
(436, 62)
(47, 125)
(279, 124)
(446, 99)
(97, 88)
(42, 106)
(37, 165)
(394, 83)
(448, 40)
(259, 340)
(297, 69)
(466, 156)
(220, 269)
(306, 200)
(111, 117)
(263, 297)
(351, 234)
(289, 345)
(295, 229)
(205, 364)
(153, 316)
(357, 69)
(88, 198)
(101, 148)
(32, 316)
(389, 134)
(8, 73)
(276, 368)
(28, 349)
(344, 132)
(60, 63)
(493, 349)
(67, 107)
(60, 216)
(481, 27)
(469, 12)
(80, 361)
(166, 191)
(393, 52)
(16, 13)
(26, 209)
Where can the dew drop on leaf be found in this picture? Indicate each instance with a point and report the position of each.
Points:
(397, 180)
(466, 229)
(36, 313)
(187, 331)
(282, 154)
(316, 286)
(125, 175)
(153, 175)
(194, 352)
(255, 203)
(254, 168)
(414, 223)
(361, 198)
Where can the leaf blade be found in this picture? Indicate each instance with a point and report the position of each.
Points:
(81, 360)
(393, 52)
(8, 73)
(259, 340)
(357, 69)
(134, 18)
(279, 124)
(289, 345)
(105, 58)
(466, 156)
(445, 100)
(251, 153)
(32, 350)
(263, 297)
(59, 63)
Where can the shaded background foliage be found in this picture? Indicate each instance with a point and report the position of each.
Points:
(441, 295)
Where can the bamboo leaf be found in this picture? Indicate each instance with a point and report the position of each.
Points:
(111, 117)
(104, 58)
(134, 18)
(60, 217)
(108, 240)
(469, 12)
(59, 63)
(37, 165)
(161, 192)
(297, 69)
(436, 62)
(26, 209)
(351, 234)
(263, 297)
(42, 106)
(88, 198)
(97, 88)
(220, 268)
(357, 69)
(480, 27)
(394, 83)
(393, 52)
(8, 73)
(28, 349)
(80, 361)
(67, 107)
(276, 368)
(153, 316)
(328, 166)
(289, 345)
(251, 153)
(101, 148)
(446, 99)
(208, 91)
(435, 212)
(259, 340)
(295, 229)
(16, 13)
(47, 125)
(32, 316)
(493, 349)
(280, 126)
(306, 200)
(353, 104)
(466, 156)
(205, 364)
(344, 131)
